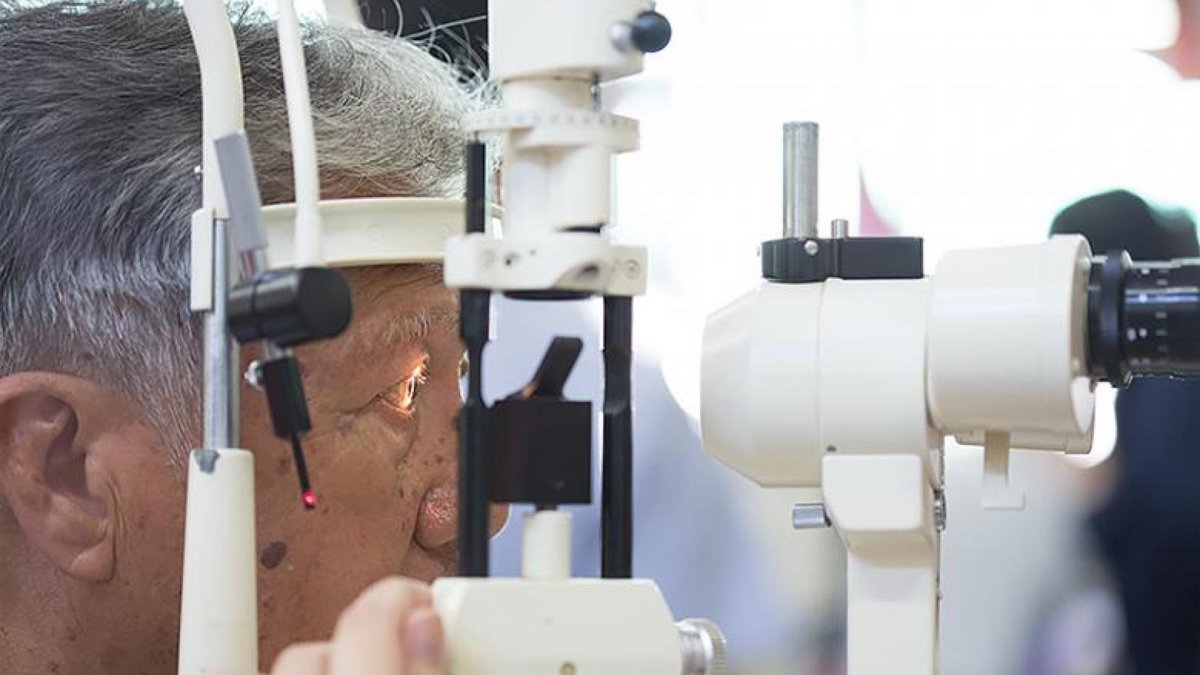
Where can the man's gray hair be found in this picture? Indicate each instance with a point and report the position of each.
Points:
(99, 141)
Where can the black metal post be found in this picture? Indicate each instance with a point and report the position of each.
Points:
(616, 525)
(474, 320)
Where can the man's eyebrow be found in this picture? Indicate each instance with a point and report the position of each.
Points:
(407, 327)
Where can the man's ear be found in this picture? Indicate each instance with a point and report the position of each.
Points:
(53, 475)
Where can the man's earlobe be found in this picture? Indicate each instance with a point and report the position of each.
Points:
(54, 484)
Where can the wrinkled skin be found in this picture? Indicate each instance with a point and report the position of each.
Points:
(382, 456)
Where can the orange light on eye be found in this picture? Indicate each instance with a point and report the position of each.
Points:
(403, 396)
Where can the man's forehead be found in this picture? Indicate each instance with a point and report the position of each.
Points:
(402, 303)
(376, 283)
(417, 324)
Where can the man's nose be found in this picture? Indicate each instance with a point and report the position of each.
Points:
(437, 517)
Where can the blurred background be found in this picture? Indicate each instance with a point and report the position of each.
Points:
(966, 122)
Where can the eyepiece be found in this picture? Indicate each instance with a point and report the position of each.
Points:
(1143, 318)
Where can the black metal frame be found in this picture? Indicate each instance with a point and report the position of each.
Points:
(477, 426)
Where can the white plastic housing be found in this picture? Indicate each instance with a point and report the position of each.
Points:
(218, 620)
(871, 382)
(1006, 340)
(539, 38)
(794, 371)
(548, 58)
(1072, 444)
(852, 385)
(882, 505)
(584, 626)
(758, 406)
(994, 343)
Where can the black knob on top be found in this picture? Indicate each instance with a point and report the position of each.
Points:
(650, 32)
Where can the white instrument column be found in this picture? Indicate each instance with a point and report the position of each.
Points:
(549, 58)
(848, 368)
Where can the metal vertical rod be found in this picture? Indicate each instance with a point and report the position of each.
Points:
(800, 152)
(220, 352)
(616, 525)
(474, 322)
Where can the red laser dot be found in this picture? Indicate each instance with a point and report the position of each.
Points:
(310, 499)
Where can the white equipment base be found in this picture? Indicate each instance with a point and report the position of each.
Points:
(562, 627)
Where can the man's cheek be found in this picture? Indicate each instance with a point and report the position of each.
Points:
(374, 434)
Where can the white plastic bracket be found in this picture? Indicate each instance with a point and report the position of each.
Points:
(996, 492)
(628, 276)
(202, 260)
(561, 261)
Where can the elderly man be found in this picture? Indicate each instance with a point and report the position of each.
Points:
(99, 356)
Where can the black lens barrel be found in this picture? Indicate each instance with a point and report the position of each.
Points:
(1143, 318)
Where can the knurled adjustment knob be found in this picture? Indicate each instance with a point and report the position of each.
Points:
(650, 32)
(703, 646)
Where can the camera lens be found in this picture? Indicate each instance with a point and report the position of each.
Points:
(1143, 318)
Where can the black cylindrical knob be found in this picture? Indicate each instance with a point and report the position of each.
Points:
(291, 307)
(650, 32)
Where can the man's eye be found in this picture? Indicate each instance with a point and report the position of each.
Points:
(402, 397)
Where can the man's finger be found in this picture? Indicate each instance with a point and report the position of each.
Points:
(369, 638)
(425, 643)
(311, 658)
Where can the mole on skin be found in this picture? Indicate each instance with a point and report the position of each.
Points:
(273, 554)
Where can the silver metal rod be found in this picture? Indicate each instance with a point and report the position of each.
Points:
(839, 228)
(809, 516)
(220, 353)
(800, 179)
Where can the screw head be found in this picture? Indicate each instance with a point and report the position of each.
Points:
(811, 247)
(253, 375)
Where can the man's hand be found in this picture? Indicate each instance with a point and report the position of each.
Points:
(391, 629)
